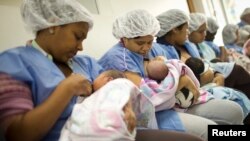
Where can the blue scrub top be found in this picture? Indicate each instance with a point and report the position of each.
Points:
(214, 47)
(235, 47)
(30, 66)
(122, 59)
(169, 50)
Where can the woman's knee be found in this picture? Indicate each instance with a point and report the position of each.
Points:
(159, 135)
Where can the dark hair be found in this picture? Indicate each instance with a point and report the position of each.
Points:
(196, 65)
(162, 38)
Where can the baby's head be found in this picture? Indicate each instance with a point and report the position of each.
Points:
(105, 77)
(200, 70)
(157, 70)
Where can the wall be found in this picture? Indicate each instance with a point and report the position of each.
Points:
(100, 39)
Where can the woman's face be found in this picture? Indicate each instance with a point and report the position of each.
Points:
(199, 35)
(67, 40)
(181, 34)
(140, 45)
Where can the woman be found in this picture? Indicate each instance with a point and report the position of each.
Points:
(41, 81)
(136, 30)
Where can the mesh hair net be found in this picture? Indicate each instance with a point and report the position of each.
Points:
(196, 20)
(229, 34)
(171, 19)
(134, 24)
(41, 14)
(247, 28)
(212, 25)
(245, 12)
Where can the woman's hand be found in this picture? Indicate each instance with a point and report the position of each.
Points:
(219, 79)
(77, 85)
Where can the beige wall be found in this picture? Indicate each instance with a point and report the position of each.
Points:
(100, 39)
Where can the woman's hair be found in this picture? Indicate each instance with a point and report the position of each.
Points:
(162, 38)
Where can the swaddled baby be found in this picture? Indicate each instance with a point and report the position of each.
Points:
(157, 70)
(106, 115)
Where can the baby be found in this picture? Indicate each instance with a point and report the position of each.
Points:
(157, 69)
(107, 114)
(103, 79)
(201, 70)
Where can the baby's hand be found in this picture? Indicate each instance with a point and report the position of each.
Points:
(77, 85)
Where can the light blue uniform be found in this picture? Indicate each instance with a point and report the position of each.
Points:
(120, 58)
(29, 65)
(214, 47)
(169, 50)
(235, 47)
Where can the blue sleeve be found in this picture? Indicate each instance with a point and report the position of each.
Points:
(192, 49)
(90, 66)
(113, 60)
(120, 58)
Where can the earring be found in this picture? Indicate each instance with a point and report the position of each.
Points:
(51, 31)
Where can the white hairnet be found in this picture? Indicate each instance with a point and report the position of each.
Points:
(41, 14)
(229, 34)
(243, 37)
(247, 28)
(245, 12)
(171, 19)
(134, 24)
(212, 25)
(196, 20)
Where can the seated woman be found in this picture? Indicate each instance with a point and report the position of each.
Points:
(128, 56)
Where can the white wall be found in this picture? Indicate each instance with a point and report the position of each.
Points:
(100, 39)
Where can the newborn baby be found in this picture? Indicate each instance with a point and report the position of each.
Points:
(107, 114)
(157, 69)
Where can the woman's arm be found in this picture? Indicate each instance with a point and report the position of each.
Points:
(35, 124)
(187, 82)
(134, 77)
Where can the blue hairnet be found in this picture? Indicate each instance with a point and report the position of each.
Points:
(134, 24)
(196, 20)
(171, 19)
(41, 14)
